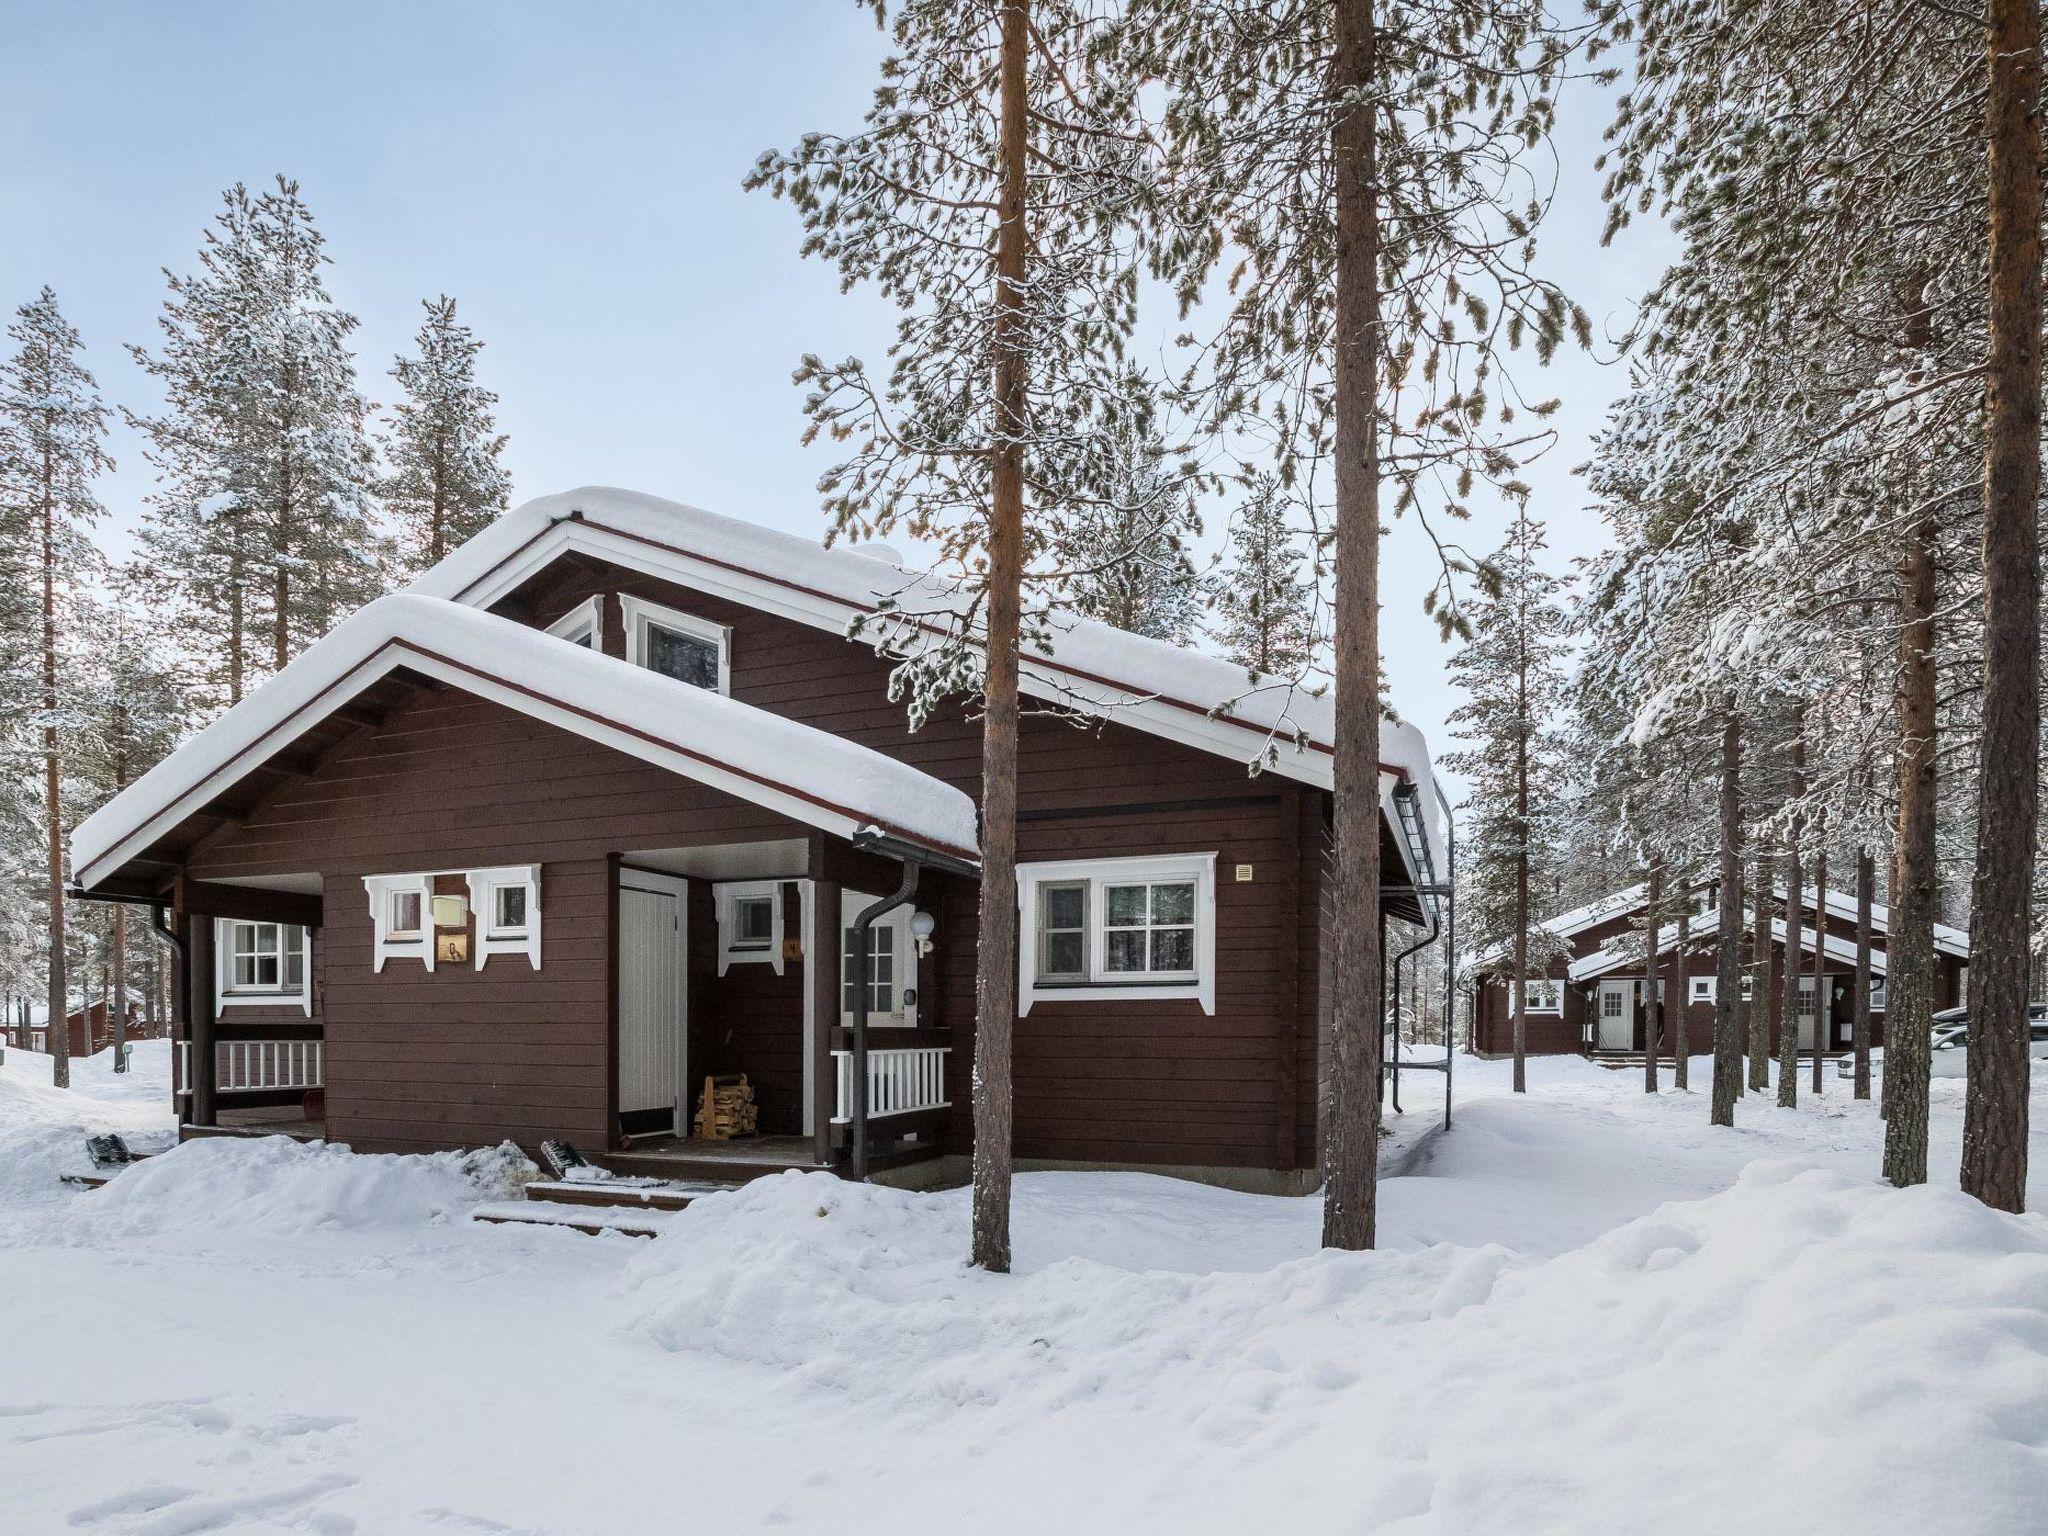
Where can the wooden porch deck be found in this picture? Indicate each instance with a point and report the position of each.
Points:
(731, 1162)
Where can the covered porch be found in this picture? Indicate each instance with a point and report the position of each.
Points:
(803, 973)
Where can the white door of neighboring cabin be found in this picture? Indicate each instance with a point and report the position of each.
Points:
(653, 1008)
(1617, 1016)
(1806, 1014)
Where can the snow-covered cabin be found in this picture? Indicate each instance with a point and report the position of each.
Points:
(597, 809)
(1591, 996)
(91, 1027)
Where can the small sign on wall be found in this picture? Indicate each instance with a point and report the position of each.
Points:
(792, 949)
(451, 948)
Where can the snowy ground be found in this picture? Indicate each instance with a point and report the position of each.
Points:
(1589, 1314)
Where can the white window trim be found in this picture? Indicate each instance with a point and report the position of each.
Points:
(725, 897)
(851, 904)
(638, 613)
(419, 946)
(483, 886)
(586, 618)
(227, 995)
(1544, 987)
(1702, 989)
(1199, 867)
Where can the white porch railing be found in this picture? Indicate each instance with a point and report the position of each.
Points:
(900, 1081)
(255, 1066)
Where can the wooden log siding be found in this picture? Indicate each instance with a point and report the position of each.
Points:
(459, 1057)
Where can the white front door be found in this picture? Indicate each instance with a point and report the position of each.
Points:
(1617, 1020)
(1806, 1014)
(892, 963)
(653, 1005)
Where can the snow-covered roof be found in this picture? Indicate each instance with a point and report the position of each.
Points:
(1577, 920)
(1185, 695)
(1613, 957)
(810, 775)
(1947, 940)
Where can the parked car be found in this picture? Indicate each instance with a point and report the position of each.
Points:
(1949, 1047)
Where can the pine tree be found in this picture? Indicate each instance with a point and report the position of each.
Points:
(1264, 604)
(52, 450)
(1125, 547)
(1313, 155)
(261, 527)
(445, 482)
(134, 711)
(988, 193)
(1512, 674)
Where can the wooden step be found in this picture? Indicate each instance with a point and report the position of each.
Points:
(591, 1220)
(704, 1168)
(629, 1194)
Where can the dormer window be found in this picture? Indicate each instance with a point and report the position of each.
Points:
(580, 625)
(678, 645)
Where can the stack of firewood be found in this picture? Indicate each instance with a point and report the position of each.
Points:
(727, 1109)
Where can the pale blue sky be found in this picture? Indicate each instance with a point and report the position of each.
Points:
(570, 171)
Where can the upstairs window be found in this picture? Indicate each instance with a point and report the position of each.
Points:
(678, 645)
(581, 624)
(1113, 928)
(259, 963)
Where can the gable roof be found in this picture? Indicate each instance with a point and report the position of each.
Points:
(1613, 957)
(1200, 700)
(813, 777)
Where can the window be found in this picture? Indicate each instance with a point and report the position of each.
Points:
(257, 963)
(749, 923)
(1545, 996)
(678, 645)
(1806, 999)
(1748, 986)
(1103, 928)
(506, 902)
(881, 969)
(892, 962)
(1611, 1002)
(1877, 994)
(1703, 989)
(399, 906)
(581, 624)
(1063, 932)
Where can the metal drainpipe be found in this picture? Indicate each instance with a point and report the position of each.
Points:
(906, 890)
(1450, 942)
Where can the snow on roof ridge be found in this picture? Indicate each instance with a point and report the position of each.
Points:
(1102, 663)
(807, 773)
(1608, 957)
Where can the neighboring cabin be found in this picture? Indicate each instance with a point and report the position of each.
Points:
(593, 811)
(91, 1026)
(1591, 998)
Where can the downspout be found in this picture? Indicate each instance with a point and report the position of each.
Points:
(906, 891)
(1450, 941)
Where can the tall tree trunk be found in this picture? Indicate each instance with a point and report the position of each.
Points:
(53, 783)
(1995, 1109)
(1653, 1005)
(1909, 954)
(1859, 1026)
(1760, 985)
(1351, 1138)
(1795, 912)
(996, 961)
(1521, 1073)
(1728, 961)
(238, 643)
(1823, 1023)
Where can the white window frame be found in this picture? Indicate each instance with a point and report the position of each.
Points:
(897, 923)
(1877, 993)
(585, 620)
(1806, 994)
(639, 613)
(1200, 868)
(227, 995)
(725, 898)
(1546, 995)
(1702, 989)
(404, 944)
(484, 885)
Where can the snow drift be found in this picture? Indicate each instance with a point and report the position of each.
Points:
(273, 1184)
(1893, 1328)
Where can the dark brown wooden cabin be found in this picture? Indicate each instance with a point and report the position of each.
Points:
(91, 1028)
(635, 915)
(1594, 992)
